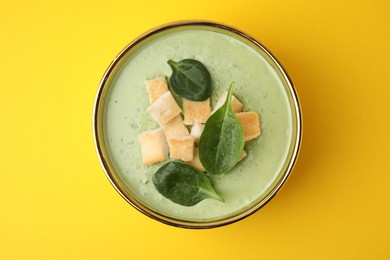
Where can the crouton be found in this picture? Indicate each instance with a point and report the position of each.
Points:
(156, 87)
(237, 106)
(196, 131)
(250, 122)
(154, 147)
(194, 110)
(175, 127)
(243, 155)
(181, 147)
(195, 162)
(164, 108)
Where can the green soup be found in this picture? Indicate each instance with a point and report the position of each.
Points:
(260, 85)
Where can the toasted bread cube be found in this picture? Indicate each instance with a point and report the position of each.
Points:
(243, 155)
(175, 127)
(196, 131)
(156, 87)
(195, 162)
(164, 108)
(236, 104)
(250, 122)
(194, 110)
(181, 147)
(154, 147)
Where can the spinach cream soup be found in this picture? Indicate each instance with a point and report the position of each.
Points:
(260, 84)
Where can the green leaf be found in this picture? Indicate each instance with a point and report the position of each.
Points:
(183, 184)
(190, 79)
(222, 140)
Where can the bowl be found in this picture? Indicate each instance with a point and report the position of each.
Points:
(261, 84)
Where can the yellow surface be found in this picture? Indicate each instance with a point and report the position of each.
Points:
(56, 202)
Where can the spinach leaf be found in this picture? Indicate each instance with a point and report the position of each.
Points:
(190, 79)
(222, 140)
(183, 184)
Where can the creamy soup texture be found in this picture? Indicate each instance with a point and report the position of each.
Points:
(257, 86)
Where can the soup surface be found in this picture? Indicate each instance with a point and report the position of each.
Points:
(257, 86)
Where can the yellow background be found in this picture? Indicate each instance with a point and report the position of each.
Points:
(56, 202)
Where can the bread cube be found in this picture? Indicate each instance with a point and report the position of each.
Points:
(164, 108)
(243, 155)
(195, 110)
(175, 127)
(154, 147)
(181, 147)
(250, 122)
(195, 162)
(237, 106)
(156, 87)
(196, 131)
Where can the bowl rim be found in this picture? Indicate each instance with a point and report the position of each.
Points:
(175, 221)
